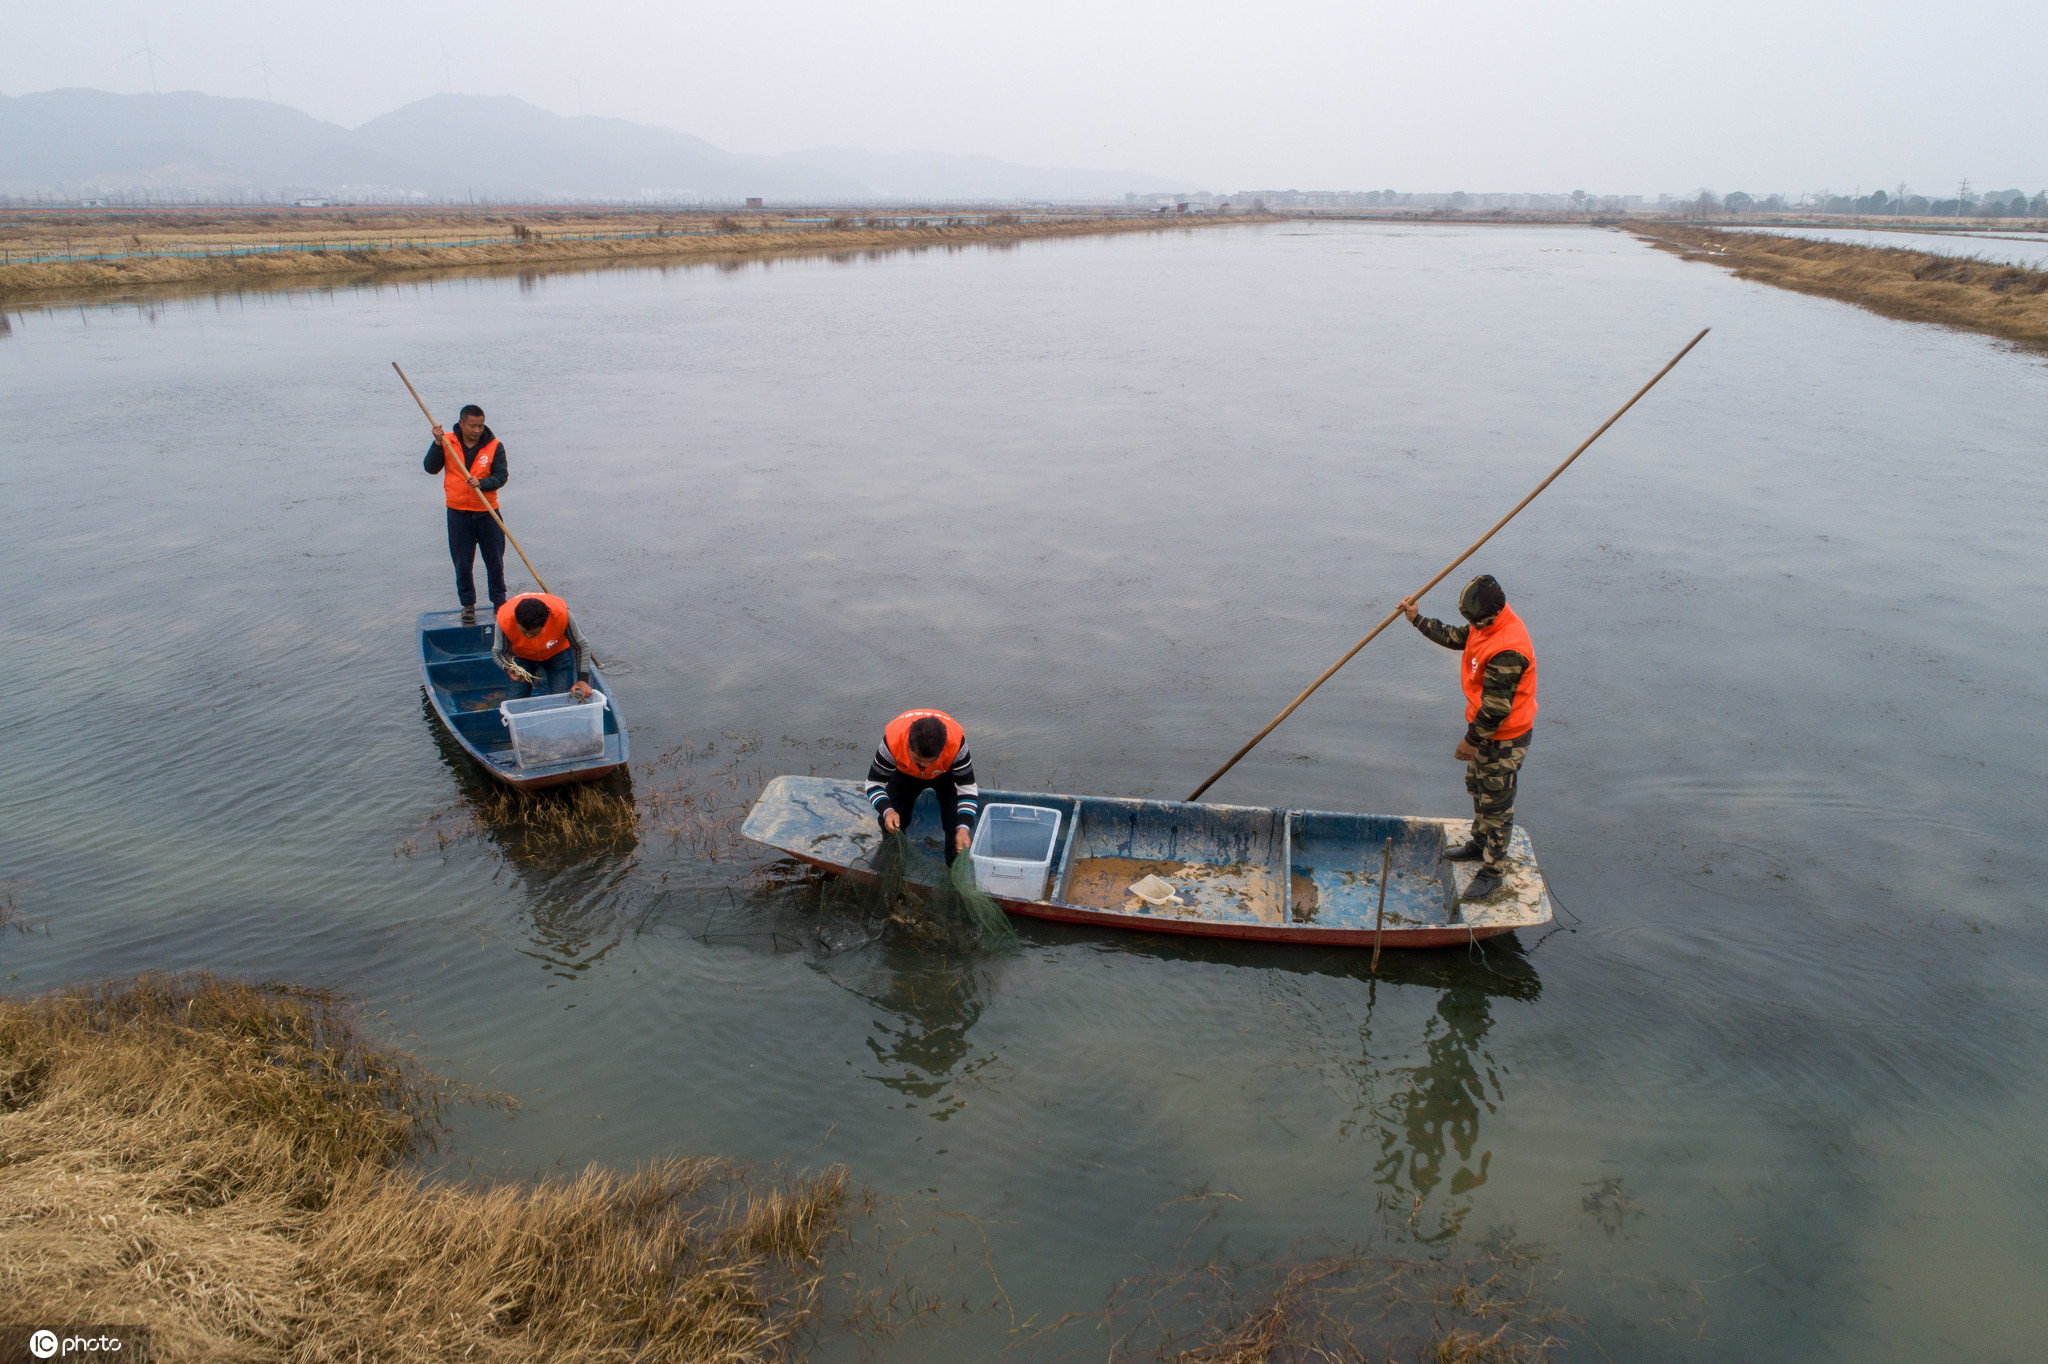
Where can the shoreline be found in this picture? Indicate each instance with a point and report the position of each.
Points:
(1994, 299)
(260, 255)
(230, 1169)
(227, 1167)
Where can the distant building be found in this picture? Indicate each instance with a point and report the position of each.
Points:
(753, 203)
(314, 202)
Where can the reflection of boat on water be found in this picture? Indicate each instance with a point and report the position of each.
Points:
(465, 687)
(1403, 1054)
(1299, 876)
(544, 833)
(925, 1010)
(1501, 969)
(572, 847)
(1408, 1051)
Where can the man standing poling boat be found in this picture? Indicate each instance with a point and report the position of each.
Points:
(540, 647)
(1499, 677)
(925, 750)
(471, 462)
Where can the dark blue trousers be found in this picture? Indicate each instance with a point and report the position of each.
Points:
(556, 674)
(468, 532)
(903, 791)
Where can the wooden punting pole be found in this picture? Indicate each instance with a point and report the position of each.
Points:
(1331, 671)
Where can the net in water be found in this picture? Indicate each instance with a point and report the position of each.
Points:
(919, 892)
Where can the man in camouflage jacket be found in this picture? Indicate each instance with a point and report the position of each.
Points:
(1499, 677)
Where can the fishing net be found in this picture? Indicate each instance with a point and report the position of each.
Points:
(918, 893)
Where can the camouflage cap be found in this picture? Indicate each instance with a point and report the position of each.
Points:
(1482, 599)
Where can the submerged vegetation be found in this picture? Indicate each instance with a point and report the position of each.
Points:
(1331, 1304)
(695, 798)
(2008, 301)
(921, 897)
(221, 1162)
(10, 910)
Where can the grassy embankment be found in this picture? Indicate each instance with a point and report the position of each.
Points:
(342, 246)
(2008, 301)
(221, 1163)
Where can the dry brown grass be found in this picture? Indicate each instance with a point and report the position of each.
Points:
(331, 251)
(557, 823)
(217, 1161)
(696, 798)
(2007, 301)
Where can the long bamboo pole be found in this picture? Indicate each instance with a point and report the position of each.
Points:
(451, 449)
(1331, 671)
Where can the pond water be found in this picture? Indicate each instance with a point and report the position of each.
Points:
(1772, 1087)
(2000, 248)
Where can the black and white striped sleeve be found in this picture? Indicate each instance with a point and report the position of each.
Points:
(880, 772)
(962, 773)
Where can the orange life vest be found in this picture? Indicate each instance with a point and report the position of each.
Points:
(897, 738)
(553, 636)
(1506, 633)
(454, 487)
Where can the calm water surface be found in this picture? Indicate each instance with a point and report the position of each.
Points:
(1772, 1088)
(2002, 248)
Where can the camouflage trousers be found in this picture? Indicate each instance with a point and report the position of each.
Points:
(1492, 778)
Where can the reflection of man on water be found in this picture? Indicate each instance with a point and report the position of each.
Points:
(921, 1042)
(1429, 1126)
(925, 750)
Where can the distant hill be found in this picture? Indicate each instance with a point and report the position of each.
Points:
(460, 146)
(66, 139)
(934, 175)
(506, 148)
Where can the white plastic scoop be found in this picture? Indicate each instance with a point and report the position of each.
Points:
(1153, 891)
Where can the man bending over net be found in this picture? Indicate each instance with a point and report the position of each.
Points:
(925, 750)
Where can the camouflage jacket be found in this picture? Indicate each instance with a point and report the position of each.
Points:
(1496, 691)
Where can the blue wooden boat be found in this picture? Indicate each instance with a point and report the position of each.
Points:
(1238, 871)
(465, 687)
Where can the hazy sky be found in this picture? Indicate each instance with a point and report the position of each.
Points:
(1600, 95)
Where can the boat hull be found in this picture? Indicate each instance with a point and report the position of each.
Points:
(464, 688)
(1245, 872)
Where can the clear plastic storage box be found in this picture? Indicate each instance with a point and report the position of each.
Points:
(1012, 850)
(555, 729)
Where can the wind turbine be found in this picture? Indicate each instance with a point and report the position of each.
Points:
(148, 54)
(448, 68)
(262, 62)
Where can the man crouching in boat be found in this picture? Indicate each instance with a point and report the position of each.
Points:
(1499, 676)
(925, 750)
(539, 646)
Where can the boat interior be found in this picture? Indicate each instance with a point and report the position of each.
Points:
(468, 687)
(1242, 864)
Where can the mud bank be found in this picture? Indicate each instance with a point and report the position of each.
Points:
(252, 252)
(2007, 301)
(223, 1164)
